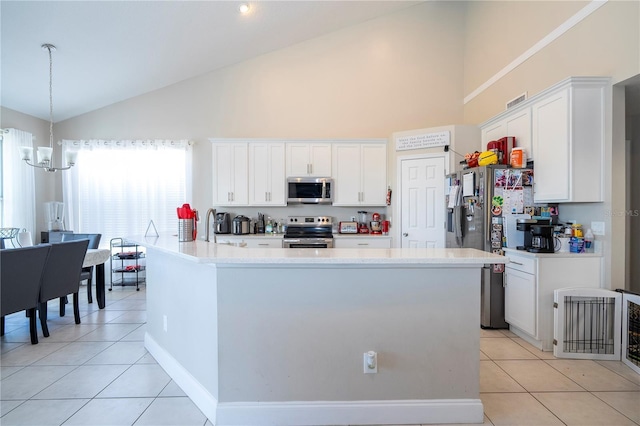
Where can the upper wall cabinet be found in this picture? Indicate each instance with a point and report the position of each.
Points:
(563, 131)
(568, 133)
(266, 174)
(230, 162)
(360, 174)
(308, 159)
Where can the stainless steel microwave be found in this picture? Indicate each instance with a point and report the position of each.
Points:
(309, 190)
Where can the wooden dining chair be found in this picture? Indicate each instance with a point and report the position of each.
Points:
(61, 277)
(87, 273)
(21, 273)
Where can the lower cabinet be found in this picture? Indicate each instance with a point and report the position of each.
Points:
(529, 282)
(250, 241)
(362, 242)
(520, 300)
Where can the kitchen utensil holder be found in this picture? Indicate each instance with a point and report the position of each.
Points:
(185, 230)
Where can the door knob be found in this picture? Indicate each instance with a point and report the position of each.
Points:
(405, 235)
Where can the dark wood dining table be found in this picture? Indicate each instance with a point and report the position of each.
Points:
(97, 258)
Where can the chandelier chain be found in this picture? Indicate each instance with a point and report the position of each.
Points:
(50, 97)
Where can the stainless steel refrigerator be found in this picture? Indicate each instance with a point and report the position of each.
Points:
(476, 201)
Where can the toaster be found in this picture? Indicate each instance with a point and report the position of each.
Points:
(348, 227)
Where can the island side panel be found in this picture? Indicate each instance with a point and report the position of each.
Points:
(298, 333)
(185, 292)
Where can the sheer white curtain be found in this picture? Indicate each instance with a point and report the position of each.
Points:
(18, 183)
(117, 187)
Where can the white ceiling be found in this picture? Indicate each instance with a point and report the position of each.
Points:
(109, 51)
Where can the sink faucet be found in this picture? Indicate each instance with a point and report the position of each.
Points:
(210, 212)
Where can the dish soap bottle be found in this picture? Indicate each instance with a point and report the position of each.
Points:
(588, 241)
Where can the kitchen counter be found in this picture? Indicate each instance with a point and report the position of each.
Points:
(278, 336)
(337, 235)
(203, 252)
(507, 251)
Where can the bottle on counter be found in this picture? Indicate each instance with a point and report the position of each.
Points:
(588, 241)
(268, 227)
(576, 229)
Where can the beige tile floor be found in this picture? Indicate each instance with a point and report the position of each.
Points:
(99, 373)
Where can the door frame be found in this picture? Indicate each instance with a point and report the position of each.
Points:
(397, 235)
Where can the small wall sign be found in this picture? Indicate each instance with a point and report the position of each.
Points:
(427, 140)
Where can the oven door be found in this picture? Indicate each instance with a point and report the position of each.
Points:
(307, 242)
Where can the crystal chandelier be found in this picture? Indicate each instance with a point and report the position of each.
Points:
(45, 153)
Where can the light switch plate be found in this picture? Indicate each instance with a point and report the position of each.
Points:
(597, 228)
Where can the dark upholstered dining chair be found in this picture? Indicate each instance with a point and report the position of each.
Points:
(87, 273)
(21, 273)
(62, 277)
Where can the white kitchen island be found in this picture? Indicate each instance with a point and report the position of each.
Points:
(278, 336)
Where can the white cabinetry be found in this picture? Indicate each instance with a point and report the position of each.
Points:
(362, 242)
(308, 159)
(266, 174)
(520, 295)
(360, 174)
(530, 280)
(230, 174)
(251, 241)
(568, 141)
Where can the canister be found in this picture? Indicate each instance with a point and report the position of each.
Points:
(185, 230)
(517, 158)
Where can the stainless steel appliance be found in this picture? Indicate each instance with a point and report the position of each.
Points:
(308, 232)
(223, 223)
(476, 201)
(309, 190)
(241, 225)
(537, 235)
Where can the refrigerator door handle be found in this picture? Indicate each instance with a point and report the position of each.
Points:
(457, 224)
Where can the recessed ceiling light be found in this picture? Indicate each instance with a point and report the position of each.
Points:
(244, 8)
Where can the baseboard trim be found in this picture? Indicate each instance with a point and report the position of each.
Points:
(206, 402)
(308, 413)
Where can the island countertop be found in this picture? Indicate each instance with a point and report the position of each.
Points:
(208, 252)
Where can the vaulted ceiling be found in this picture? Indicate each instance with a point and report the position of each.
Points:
(109, 51)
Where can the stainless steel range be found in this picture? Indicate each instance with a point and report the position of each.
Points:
(308, 232)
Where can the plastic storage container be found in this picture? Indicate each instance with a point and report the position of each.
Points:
(518, 158)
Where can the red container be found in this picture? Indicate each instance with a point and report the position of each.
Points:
(502, 147)
(385, 227)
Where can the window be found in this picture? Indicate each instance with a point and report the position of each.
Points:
(117, 187)
(17, 196)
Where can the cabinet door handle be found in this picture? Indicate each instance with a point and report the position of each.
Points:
(516, 263)
(363, 244)
(228, 196)
(232, 196)
(311, 168)
(269, 196)
(263, 244)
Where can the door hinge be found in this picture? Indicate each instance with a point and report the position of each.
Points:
(555, 342)
(555, 305)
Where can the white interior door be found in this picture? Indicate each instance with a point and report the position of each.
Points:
(422, 202)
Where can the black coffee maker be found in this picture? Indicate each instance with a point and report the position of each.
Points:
(538, 235)
(541, 239)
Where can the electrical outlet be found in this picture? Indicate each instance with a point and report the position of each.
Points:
(164, 322)
(370, 361)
